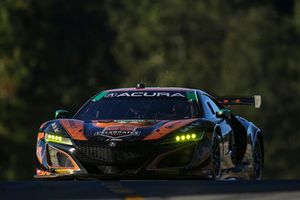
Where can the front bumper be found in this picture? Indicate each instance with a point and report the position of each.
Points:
(128, 160)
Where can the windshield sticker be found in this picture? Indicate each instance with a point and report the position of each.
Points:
(145, 94)
(99, 96)
(192, 96)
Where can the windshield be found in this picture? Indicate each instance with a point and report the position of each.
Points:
(117, 106)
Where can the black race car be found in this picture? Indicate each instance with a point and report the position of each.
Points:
(151, 132)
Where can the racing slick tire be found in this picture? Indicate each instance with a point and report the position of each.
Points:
(257, 161)
(215, 159)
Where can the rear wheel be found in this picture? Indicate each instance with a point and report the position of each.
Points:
(215, 159)
(257, 161)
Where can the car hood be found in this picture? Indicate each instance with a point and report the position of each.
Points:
(125, 130)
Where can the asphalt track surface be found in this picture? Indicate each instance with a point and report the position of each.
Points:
(152, 189)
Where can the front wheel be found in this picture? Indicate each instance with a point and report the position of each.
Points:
(215, 159)
(257, 161)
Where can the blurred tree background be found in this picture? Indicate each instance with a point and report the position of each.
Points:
(56, 54)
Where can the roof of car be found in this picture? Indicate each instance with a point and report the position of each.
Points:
(177, 89)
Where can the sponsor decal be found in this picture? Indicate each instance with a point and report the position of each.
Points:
(55, 127)
(144, 94)
(118, 131)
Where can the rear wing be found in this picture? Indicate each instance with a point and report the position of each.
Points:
(254, 100)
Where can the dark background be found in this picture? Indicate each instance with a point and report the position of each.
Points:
(57, 54)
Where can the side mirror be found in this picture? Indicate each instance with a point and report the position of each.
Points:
(61, 114)
(224, 114)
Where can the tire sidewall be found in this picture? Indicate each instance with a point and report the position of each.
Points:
(215, 173)
(257, 175)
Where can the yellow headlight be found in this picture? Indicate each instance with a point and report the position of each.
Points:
(58, 139)
(187, 137)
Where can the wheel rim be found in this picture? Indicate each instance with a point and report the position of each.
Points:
(257, 161)
(216, 163)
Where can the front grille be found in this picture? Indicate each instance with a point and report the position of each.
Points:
(122, 153)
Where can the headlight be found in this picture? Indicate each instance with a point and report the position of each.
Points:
(184, 137)
(50, 137)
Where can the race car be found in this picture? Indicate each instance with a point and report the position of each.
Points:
(148, 132)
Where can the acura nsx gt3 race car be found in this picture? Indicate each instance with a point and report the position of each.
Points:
(152, 132)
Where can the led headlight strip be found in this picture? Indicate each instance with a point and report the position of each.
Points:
(188, 137)
(185, 137)
(49, 137)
